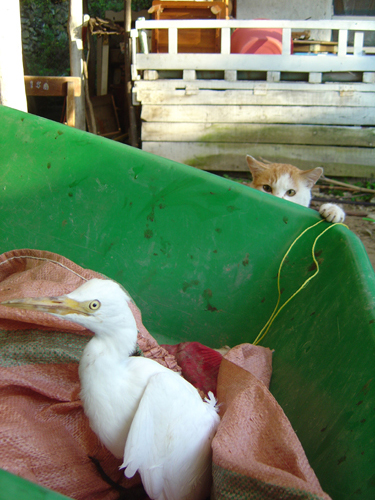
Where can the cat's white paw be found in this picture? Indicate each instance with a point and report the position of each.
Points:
(332, 213)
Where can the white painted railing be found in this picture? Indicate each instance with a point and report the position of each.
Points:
(355, 58)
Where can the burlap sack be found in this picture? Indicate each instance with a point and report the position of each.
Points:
(256, 453)
(44, 434)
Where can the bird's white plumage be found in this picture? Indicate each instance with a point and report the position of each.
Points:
(141, 411)
(170, 437)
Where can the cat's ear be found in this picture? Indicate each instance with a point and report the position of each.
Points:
(312, 176)
(255, 166)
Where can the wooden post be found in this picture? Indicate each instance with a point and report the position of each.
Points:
(70, 106)
(12, 86)
(76, 58)
(133, 135)
(103, 64)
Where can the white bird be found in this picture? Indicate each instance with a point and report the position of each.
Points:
(141, 411)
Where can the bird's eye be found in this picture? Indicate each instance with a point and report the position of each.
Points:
(94, 305)
(267, 188)
(291, 192)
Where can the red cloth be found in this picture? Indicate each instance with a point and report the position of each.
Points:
(199, 364)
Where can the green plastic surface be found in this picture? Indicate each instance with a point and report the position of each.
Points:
(200, 256)
(16, 488)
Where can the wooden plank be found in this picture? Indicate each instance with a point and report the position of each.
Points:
(286, 45)
(230, 75)
(369, 77)
(51, 85)
(257, 133)
(172, 41)
(343, 42)
(273, 76)
(102, 65)
(340, 161)
(294, 25)
(178, 84)
(315, 77)
(251, 97)
(225, 41)
(358, 43)
(70, 106)
(256, 62)
(312, 115)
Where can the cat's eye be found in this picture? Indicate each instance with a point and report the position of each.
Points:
(291, 192)
(267, 188)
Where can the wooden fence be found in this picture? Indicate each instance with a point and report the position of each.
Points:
(210, 110)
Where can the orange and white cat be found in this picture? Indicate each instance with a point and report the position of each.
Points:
(292, 184)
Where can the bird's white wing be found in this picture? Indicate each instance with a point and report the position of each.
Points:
(169, 441)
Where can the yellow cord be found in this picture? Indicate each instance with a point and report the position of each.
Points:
(276, 311)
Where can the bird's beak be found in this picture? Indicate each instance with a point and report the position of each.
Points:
(54, 305)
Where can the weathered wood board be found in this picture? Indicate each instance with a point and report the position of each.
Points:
(336, 161)
(260, 96)
(317, 115)
(226, 132)
(332, 126)
(251, 62)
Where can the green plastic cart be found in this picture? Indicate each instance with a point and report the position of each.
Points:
(200, 256)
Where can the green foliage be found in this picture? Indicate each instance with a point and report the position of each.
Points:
(45, 36)
(97, 8)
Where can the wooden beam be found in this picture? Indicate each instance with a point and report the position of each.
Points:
(52, 85)
(70, 106)
(257, 62)
(336, 161)
(75, 25)
(257, 86)
(260, 96)
(312, 115)
(133, 129)
(103, 64)
(12, 90)
(295, 25)
(250, 133)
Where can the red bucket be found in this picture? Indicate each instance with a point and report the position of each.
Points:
(257, 41)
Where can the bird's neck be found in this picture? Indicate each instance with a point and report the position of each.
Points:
(120, 342)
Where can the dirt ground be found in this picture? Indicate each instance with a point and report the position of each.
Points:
(356, 216)
(365, 230)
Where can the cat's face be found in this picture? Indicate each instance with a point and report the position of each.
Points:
(284, 181)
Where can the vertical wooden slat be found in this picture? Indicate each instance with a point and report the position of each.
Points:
(368, 77)
(134, 72)
(315, 77)
(172, 40)
(76, 58)
(273, 76)
(286, 41)
(103, 63)
(189, 74)
(230, 75)
(11, 67)
(342, 43)
(225, 41)
(70, 105)
(358, 43)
